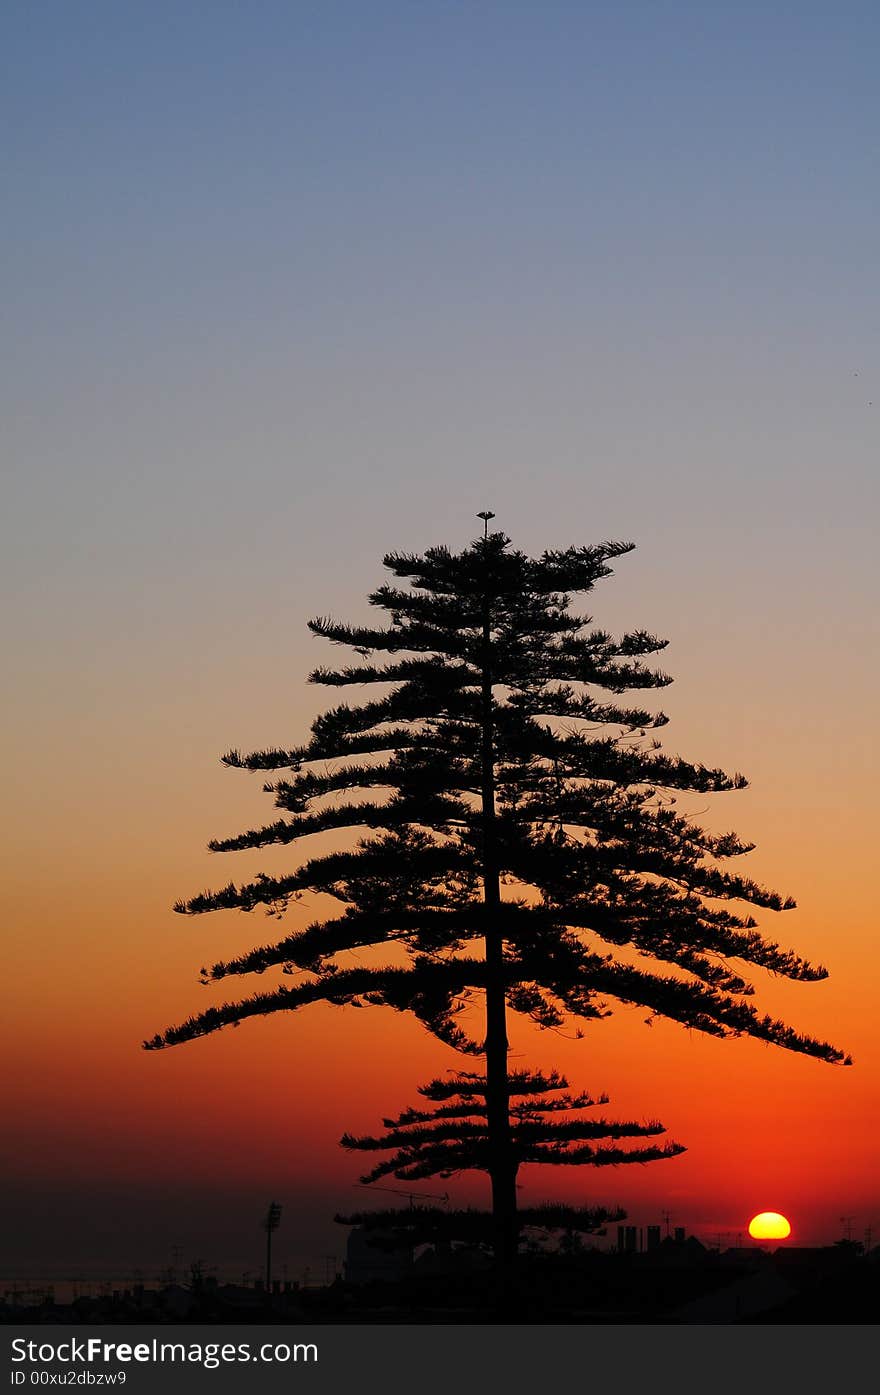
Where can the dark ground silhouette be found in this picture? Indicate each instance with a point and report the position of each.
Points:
(679, 1282)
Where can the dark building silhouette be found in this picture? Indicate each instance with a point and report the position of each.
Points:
(366, 1262)
(627, 1239)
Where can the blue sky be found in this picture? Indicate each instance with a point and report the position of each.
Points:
(288, 285)
(291, 284)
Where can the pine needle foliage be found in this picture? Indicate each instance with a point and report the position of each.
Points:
(396, 1228)
(454, 1136)
(519, 832)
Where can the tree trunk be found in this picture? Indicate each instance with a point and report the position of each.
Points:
(502, 1167)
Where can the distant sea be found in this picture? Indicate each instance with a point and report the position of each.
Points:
(26, 1289)
(64, 1288)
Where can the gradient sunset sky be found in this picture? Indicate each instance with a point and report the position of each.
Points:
(289, 285)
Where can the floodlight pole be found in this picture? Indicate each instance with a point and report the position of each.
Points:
(272, 1221)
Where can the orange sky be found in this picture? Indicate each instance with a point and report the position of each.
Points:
(111, 822)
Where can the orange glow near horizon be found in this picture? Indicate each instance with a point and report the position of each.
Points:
(99, 961)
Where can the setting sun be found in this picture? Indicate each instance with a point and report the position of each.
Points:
(769, 1225)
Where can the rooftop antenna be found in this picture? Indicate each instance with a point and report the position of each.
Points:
(486, 514)
(398, 1191)
(667, 1215)
(847, 1223)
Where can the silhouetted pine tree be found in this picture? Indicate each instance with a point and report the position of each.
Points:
(492, 763)
(454, 1137)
